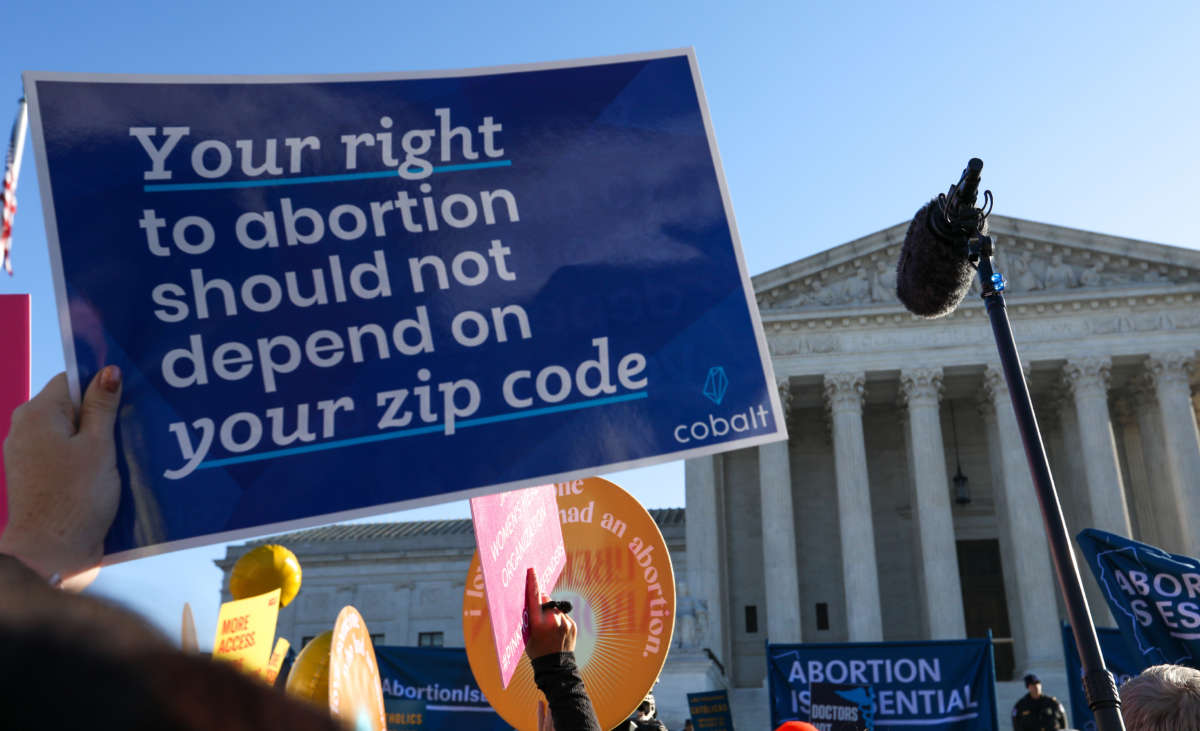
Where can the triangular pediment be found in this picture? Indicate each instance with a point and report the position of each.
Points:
(1038, 260)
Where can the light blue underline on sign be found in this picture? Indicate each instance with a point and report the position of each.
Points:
(432, 428)
(267, 183)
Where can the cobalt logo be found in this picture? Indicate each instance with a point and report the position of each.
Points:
(715, 427)
(716, 384)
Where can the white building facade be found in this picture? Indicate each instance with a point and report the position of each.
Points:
(856, 529)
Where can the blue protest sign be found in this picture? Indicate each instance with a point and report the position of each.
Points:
(710, 710)
(432, 688)
(1154, 597)
(938, 685)
(1117, 658)
(335, 296)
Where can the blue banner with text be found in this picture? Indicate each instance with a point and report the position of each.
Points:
(432, 689)
(710, 710)
(946, 685)
(1154, 597)
(337, 296)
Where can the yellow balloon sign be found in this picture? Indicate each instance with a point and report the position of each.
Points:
(620, 580)
(265, 568)
(337, 671)
(309, 677)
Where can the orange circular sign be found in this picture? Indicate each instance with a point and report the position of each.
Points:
(619, 578)
(355, 692)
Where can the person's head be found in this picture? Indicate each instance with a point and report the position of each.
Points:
(139, 690)
(687, 725)
(644, 710)
(1163, 697)
(1033, 684)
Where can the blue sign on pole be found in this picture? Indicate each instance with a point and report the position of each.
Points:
(710, 710)
(1154, 597)
(1117, 658)
(432, 689)
(946, 685)
(335, 296)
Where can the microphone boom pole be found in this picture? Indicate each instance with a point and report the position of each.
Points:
(1098, 683)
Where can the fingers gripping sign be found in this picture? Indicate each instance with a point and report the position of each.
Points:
(63, 486)
(547, 630)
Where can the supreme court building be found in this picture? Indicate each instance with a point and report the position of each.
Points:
(901, 508)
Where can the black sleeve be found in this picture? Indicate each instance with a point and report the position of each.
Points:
(559, 679)
(1060, 714)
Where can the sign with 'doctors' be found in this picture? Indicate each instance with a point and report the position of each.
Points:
(334, 296)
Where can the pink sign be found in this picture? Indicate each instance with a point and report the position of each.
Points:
(514, 531)
(14, 372)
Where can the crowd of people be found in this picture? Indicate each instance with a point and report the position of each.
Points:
(71, 661)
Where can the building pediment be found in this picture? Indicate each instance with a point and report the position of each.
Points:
(1039, 261)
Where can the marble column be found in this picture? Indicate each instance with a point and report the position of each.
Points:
(706, 552)
(1087, 381)
(1168, 519)
(1170, 374)
(1029, 576)
(1069, 476)
(1139, 491)
(780, 569)
(860, 572)
(933, 521)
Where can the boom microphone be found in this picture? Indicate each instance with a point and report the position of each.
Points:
(934, 272)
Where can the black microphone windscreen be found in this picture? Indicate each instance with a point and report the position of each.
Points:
(933, 274)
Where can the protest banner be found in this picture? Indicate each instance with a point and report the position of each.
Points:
(620, 582)
(710, 710)
(432, 689)
(947, 685)
(14, 372)
(1117, 658)
(515, 531)
(245, 631)
(419, 287)
(1154, 596)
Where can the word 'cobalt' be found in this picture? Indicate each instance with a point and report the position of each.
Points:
(355, 278)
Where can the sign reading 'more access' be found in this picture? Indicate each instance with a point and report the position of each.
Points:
(339, 295)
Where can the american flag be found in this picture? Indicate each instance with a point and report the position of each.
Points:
(12, 168)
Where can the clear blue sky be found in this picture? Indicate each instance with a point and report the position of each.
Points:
(834, 120)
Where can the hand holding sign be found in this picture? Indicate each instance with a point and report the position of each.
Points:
(515, 530)
(550, 630)
(63, 485)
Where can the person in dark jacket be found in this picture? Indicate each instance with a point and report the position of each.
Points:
(1037, 711)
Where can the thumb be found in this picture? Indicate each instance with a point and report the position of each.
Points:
(98, 412)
